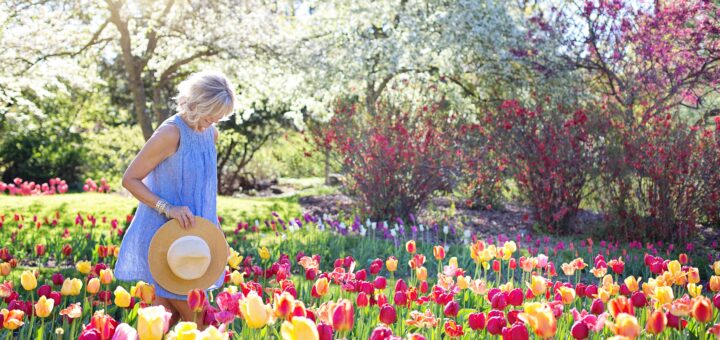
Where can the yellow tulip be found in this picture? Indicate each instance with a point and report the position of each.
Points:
(93, 285)
(603, 295)
(463, 282)
(537, 285)
(716, 267)
(510, 247)
(714, 284)
(237, 278)
(694, 290)
(632, 284)
(184, 331)
(106, 276)
(71, 287)
(264, 253)
(391, 264)
(234, 259)
(299, 329)
(693, 275)
(453, 262)
(28, 280)
(255, 312)
(663, 295)
(152, 322)
(507, 287)
(212, 333)
(421, 273)
(83, 267)
(44, 307)
(122, 297)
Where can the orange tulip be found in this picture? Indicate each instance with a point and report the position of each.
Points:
(411, 247)
(632, 284)
(421, 273)
(12, 319)
(106, 276)
(693, 275)
(5, 269)
(439, 252)
(656, 322)
(44, 307)
(343, 316)
(619, 305)
(93, 285)
(540, 318)
(567, 295)
(626, 325)
(143, 291)
(422, 320)
(196, 300)
(321, 287)
(681, 307)
(702, 309)
(714, 284)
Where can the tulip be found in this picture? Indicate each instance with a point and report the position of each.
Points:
(495, 324)
(106, 276)
(299, 329)
(638, 299)
(284, 305)
(124, 332)
(702, 310)
(620, 305)
(663, 295)
(716, 301)
(388, 315)
(5, 269)
(537, 285)
(452, 329)
(83, 267)
(567, 295)
(517, 331)
(57, 279)
(376, 266)
(40, 250)
(439, 252)
(391, 264)
(12, 319)
(264, 253)
(122, 297)
(693, 275)
(714, 283)
(71, 287)
(72, 312)
(44, 290)
(656, 322)
(254, 311)
(343, 316)
(626, 325)
(380, 283)
(44, 307)
(515, 297)
(184, 330)
(28, 280)
(66, 250)
(143, 291)
(499, 301)
(321, 287)
(579, 330)
(451, 309)
(421, 273)
(153, 322)
(325, 331)
(540, 318)
(362, 300)
(381, 333)
(476, 321)
(93, 285)
(234, 259)
(411, 247)
(196, 300)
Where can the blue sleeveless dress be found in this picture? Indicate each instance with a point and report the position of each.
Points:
(187, 178)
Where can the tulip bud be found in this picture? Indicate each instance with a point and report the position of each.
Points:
(362, 300)
(476, 321)
(597, 307)
(580, 330)
(639, 300)
(57, 279)
(325, 331)
(380, 283)
(388, 315)
(451, 309)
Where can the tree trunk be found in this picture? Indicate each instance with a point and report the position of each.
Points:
(327, 166)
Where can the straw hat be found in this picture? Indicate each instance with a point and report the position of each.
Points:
(181, 260)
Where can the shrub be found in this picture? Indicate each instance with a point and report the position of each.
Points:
(658, 178)
(398, 158)
(549, 153)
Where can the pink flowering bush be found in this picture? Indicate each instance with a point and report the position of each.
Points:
(25, 188)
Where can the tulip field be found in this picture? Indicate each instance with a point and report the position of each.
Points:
(294, 276)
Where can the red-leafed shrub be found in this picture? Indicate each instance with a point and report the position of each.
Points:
(397, 158)
(658, 178)
(550, 153)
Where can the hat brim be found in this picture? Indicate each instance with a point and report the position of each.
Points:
(171, 231)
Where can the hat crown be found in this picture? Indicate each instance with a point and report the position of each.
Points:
(189, 257)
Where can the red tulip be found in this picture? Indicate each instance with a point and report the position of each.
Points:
(513, 264)
(683, 258)
(361, 275)
(517, 331)
(196, 300)
(580, 330)
(411, 247)
(452, 329)
(476, 321)
(400, 298)
(499, 301)
(376, 266)
(716, 301)
(515, 297)
(66, 250)
(380, 283)
(495, 325)
(424, 287)
(388, 315)
(325, 331)
(40, 250)
(639, 300)
(496, 266)
(656, 322)
(597, 307)
(343, 316)
(400, 285)
(57, 279)
(362, 300)
(451, 309)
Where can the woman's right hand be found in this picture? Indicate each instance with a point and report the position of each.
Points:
(183, 215)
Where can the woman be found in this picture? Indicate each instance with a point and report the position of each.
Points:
(174, 177)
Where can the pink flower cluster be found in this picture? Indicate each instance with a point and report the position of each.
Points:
(91, 186)
(25, 188)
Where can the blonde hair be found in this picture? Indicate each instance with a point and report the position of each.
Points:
(205, 93)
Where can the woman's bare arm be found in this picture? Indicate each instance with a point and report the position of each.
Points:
(163, 143)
